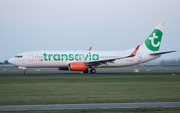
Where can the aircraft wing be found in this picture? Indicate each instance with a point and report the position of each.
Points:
(110, 60)
(160, 53)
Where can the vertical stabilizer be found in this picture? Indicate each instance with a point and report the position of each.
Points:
(153, 42)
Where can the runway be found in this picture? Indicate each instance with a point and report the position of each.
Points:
(97, 74)
(88, 106)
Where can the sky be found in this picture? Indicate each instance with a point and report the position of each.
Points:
(29, 25)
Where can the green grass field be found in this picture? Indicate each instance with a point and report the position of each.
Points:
(88, 89)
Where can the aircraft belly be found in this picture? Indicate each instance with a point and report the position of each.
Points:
(47, 64)
(55, 64)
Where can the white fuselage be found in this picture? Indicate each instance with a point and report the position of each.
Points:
(85, 60)
(58, 59)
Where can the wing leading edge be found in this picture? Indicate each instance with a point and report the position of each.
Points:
(110, 60)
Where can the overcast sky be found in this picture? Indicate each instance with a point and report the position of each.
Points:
(27, 25)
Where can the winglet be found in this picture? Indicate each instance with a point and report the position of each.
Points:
(90, 48)
(134, 52)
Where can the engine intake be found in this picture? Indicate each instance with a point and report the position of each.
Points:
(77, 66)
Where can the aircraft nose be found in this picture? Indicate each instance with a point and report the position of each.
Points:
(11, 61)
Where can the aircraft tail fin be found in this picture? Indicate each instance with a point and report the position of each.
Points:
(153, 42)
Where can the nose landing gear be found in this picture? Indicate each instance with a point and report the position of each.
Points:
(25, 72)
(24, 68)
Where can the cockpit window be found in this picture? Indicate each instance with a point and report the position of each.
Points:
(18, 56)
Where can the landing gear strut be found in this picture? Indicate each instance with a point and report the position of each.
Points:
(93, 71)
(25, 72)
(86, 71)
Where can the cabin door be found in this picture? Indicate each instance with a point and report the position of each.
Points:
(30, 55)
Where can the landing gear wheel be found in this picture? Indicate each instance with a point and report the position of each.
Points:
(25, 72)
(93, 70)
(86, 71)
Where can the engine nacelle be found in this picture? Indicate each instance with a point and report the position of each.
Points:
(77, 66)
(63, 68)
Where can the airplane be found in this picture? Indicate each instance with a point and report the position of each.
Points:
(90, 60)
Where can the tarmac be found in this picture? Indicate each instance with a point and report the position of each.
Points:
(89, 74)
(88, 106)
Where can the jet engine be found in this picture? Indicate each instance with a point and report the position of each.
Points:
(77, 66)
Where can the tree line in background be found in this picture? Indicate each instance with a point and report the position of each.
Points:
(170, 62)
(5, 62)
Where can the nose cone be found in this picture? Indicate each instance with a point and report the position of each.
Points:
(11, 61)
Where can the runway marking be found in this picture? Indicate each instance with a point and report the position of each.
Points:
(88, 106)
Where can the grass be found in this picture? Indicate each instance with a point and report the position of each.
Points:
(88, 89)
(116, 110)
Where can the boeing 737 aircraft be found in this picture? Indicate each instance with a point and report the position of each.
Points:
(89, 60)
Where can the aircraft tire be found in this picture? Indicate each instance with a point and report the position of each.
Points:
(25, 72)
(93, 71)
(86, 71)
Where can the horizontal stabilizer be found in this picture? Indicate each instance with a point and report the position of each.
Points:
(160, 53)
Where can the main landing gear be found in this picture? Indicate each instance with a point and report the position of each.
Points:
(86, 71)
(25, 72)
(92, 70)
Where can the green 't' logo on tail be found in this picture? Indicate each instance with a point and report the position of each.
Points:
(154, 40)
